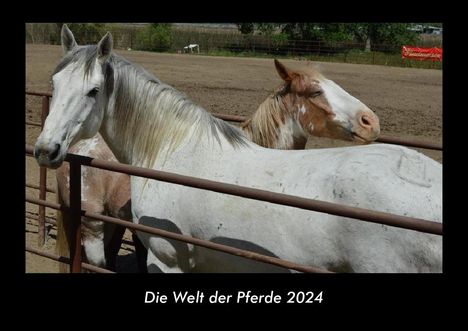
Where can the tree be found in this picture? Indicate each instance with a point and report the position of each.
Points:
(266, 28)
(391, 34)
(246, 28)
(155, 37)
(302, 31)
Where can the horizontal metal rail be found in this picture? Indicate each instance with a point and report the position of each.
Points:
(382, 138)
(39, 93)
(38, 188)
(361, 214)
(410, 143)
(187, 239)
(33, 123)
(66, 260)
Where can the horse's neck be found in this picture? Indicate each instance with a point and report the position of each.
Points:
(273, 125)
(126, 136)
(112, 140)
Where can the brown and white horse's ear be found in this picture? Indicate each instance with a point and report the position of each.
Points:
(286, 74)
(104, 47)
(68, 40)
(295, 79)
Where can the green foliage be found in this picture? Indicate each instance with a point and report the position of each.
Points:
(155, 37)
(266, 29)
(302, 31)
(279, 39)
(392, 34)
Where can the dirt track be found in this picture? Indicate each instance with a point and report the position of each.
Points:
(407, 101)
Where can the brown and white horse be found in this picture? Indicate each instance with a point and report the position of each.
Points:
(283, 121)
(102, 192)
(302, 107)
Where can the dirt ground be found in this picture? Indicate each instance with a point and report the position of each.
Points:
(407, 101)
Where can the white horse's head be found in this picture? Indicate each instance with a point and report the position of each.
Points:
(322, 108)
(81, 85)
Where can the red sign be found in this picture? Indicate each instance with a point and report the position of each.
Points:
(421, 54)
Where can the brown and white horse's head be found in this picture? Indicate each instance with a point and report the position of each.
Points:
(322, 108)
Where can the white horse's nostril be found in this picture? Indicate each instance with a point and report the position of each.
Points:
(37, 151)
(55, 152)
(47, 152)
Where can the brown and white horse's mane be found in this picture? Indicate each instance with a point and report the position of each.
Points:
(263, 126)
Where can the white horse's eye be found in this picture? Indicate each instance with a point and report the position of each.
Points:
(93, 92)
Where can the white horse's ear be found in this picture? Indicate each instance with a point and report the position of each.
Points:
(286, 74)
(104, 47)
(68, 40)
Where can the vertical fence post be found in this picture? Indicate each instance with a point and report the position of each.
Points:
(75, 216)
(42, 182)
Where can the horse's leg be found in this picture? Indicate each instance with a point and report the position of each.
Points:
(141, 254)
(163, 255)
(113, 246)
(63, 235)
(124, 212)
(93, 240)
(155, 264)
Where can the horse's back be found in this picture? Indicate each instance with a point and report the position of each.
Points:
(377, 177)
(392, 179)
(400, 181)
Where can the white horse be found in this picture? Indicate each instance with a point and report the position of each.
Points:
(191, 47)
(148, 123)
(282, 121)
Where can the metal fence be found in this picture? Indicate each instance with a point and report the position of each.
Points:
(75, 211)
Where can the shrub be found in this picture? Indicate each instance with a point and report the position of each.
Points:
(155, 37)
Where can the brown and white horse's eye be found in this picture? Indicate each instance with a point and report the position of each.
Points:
(316, 94)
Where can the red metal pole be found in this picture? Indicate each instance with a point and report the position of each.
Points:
(75, 216)
(42, 182)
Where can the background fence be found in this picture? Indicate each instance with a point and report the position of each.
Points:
(233, 43)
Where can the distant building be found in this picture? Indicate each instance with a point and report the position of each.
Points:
(427, 29)
(432, 30)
